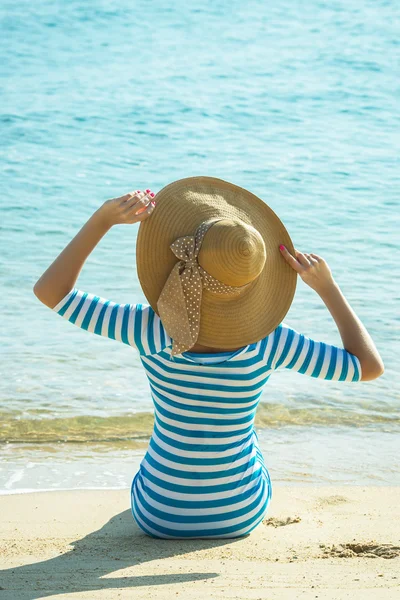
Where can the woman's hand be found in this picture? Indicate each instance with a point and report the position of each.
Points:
(61, 275)
(312, 268)
(130, 208)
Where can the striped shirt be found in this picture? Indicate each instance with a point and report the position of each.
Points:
(203, 475)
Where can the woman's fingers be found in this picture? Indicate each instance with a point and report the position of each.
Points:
(312, 268)
(139, 201)
(310, 258)
(139, 204)
(145, 213)
(302, 258)
(290, 259)
(129, 208)
(127, 197)
(140, 207)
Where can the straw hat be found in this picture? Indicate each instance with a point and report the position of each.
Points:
(209, 264)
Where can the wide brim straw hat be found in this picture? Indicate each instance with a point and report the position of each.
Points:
(241, 249)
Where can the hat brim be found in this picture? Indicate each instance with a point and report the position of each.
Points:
(180, 208)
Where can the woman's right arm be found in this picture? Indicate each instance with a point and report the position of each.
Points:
(355, 337)
(315, 272)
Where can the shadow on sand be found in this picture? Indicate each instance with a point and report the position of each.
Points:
(117, 545)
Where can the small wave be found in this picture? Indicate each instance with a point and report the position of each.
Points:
(84, 428)
(18, 427)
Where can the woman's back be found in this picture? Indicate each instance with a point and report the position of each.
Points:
(203, 474)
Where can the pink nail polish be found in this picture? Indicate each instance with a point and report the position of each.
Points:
(281, 247)
(148, 191)
(152, 194)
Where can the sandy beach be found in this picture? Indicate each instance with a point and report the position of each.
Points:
(316, 542)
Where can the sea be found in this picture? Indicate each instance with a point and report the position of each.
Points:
(297, 102)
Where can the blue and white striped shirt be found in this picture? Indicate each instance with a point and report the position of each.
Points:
(203, 475)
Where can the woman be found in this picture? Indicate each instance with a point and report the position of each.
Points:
(203, 475)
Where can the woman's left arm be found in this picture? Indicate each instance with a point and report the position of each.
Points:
(60, 277)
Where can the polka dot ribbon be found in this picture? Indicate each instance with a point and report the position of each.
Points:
(180, 299)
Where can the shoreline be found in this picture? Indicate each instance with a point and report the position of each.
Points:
(294, 484)
(331, 542)
(301, 456)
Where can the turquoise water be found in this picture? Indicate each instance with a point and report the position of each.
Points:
(298, 103)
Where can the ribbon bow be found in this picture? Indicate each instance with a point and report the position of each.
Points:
(180, 299)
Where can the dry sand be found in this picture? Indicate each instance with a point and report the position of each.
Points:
(315, 542)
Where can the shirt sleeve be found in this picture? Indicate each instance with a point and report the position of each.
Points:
(289, 349)
(137, 325)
